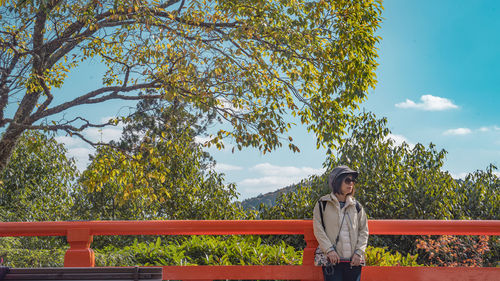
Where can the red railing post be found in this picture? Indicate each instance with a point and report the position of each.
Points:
(311, 245)
(79, 253)
(308, 256)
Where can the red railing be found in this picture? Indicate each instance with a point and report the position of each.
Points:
(80, 234)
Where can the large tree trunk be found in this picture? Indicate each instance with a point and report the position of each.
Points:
(22, 117)
(8, 143)
(15, 130)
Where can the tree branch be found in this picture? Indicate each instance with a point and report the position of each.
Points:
(49, 95)
(180, 7)
(121, 97)
(89, 98)
(197, 23)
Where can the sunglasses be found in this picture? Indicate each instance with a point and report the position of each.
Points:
(349, 180)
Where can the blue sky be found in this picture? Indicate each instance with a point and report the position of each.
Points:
(438, 81)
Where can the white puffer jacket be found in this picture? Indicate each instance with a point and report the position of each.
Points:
(344, 238)
(353, 237)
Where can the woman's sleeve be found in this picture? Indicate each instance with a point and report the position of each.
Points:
(362, 233)
(319, 232)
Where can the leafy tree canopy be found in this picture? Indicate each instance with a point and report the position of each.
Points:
(157, 171)
(396, 182)
(36, 184)
(249, 62)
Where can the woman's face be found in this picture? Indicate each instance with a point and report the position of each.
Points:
(347, 185)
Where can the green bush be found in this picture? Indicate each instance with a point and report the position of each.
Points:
(233, 250)
(194, 250)
(14, 256)
(381, 257)
(201, 250)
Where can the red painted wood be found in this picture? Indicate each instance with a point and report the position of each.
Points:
(370, 273)
(434, 227)
(181, 227)
(79, 253)
(80, 235)
(293, 272)
(390, 273)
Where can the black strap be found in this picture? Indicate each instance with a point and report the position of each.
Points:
(321, 212)
(358, 207)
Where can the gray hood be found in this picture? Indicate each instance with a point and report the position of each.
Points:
(340, 170)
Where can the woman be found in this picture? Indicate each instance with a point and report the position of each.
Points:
(345, 232)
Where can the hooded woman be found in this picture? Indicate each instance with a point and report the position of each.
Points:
(341, 227)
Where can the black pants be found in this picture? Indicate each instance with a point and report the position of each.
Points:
(343, 272)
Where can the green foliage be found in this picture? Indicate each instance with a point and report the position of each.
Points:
(157, 171)
(194, 250)
(36, 184)
(252, 63)
(395, 182)
(381, 257)
(292, 205)
(33, 258)
(14, 253)
(481, 195)
(201, 250)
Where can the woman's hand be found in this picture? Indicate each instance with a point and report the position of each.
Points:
(355, 260)
(333, 257)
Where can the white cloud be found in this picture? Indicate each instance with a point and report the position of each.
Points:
(457, 132)
(69, 141)
(273, 177)
(268, 169)
(256, 186)
(489, 129)
(221, 167)
(429, 103)
(81, 156)
(399, 139)
(104, 134)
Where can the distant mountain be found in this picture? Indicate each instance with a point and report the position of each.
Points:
(268, 199)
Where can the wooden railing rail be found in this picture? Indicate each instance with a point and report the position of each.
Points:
(80, 235)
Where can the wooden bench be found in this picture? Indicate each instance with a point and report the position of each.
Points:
(85, 273)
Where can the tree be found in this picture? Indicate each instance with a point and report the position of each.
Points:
(157, 171)
(36, 184)
(481, 190)
(249, 62)
(397, 182)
